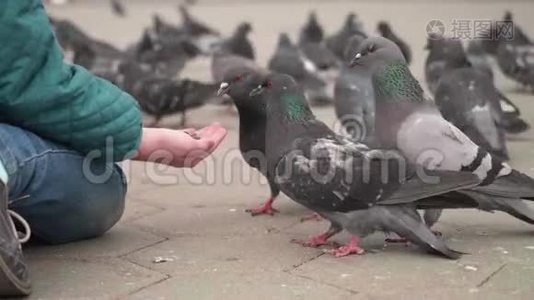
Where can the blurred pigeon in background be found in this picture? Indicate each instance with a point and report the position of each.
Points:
(312, 31)
(288, 59)
(118, 8)
(468, 99)
(337, 43)
(311, 44)
(160, 96)
(385, 30)
(478, 57)
(239, 43)
(517, 62)
(203, 36)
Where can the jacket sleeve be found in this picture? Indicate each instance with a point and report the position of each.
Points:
(59, 101)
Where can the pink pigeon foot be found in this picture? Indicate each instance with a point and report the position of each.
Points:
(312, 217)
(265, 209)
(351, 248)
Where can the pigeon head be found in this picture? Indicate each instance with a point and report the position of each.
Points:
(353, 45)
(508, 16)
(284, 41)
(376, 52)
(384, 28)
(238, 84)
(284, 98)
(243, 29)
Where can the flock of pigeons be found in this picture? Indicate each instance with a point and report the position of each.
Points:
(400, 151)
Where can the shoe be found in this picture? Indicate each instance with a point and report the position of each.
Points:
(14, 279)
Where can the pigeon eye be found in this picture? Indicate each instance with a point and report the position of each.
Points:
(238, 78)
(267, 84)
(371, 48)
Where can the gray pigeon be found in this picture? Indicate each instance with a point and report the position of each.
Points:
(490, 46)
(478, 57)
(288, 59)
(118, 8)
(385, 30)
(337, 43)
(416, 128)
(238, 83)
(312, 31)
(160, 96)
(203, 36)
(311, 44)
(468, 99)
(354, 97)
(444, 54)
(166, 55)
(344, 181)
(517, 62)
(239, 43)
(222, 63)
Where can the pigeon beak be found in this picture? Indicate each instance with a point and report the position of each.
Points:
(223, 89)
(255, 92)
(354, 61)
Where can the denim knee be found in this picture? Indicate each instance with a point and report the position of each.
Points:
(62, 196)
(78, 215)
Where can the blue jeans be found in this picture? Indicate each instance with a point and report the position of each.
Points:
(50, 189)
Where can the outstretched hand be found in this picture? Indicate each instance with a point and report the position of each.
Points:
(179, 148)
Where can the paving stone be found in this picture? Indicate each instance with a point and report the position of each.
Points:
(87, 279)
(120, 240)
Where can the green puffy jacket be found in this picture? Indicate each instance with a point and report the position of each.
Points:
(55, 100)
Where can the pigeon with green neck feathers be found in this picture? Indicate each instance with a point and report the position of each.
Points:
(409, 122)
(344, 181)
(237, 83)
(354, 100)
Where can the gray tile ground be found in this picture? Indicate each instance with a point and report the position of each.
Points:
(211, 249)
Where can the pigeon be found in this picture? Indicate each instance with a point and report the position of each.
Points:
(478, 57)
(194, 27)
(166, 30)
(385, 30)
(204, 37)
(312, 32)
(222, 63)
(343, 180)
(354, 100)
(238, 83)
(239, 43)
(288, 59)
(500, 34)
(447, 55)
(517, 62)
(338, 42)
(167, 56)
(520, 37)
(160, 96)
(416, 128)
(444, 54)
(468, 99)
(118, 8)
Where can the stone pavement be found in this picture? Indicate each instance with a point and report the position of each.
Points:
(185, 234)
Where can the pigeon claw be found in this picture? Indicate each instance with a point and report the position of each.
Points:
(312, 217)
(265, 209)
(316, 241)
(351, 248)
